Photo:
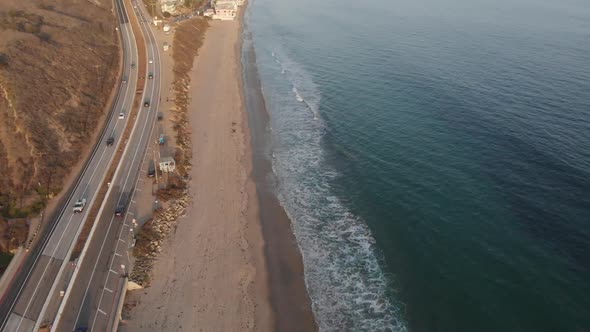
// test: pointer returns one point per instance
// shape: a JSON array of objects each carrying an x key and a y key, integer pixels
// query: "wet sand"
[{"x": 288, "y": 293}]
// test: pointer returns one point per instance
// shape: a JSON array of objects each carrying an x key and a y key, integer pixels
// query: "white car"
[
  {"x": 151, "y": 61},
  {"x": 79, "y": 206},
  {"x": 121, "y": 116}
]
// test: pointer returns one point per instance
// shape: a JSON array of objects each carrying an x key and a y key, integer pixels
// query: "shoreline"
[
  {"x": 261, "y": 281},
  {"x": 289, "y": 296}
]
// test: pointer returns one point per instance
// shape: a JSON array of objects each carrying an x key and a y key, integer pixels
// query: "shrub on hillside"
[
  {"x": 44, "y": 36},
  {"x": 3, "y": 60}
]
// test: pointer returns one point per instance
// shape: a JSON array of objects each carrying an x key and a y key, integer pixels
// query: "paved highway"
[
  {"x": 25, "y": 302},
  {"x": 95, "y": 292}
]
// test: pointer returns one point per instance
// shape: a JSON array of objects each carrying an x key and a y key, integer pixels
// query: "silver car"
[{"x": 79, "y": 206}]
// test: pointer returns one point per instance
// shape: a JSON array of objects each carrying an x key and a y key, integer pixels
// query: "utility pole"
[
  {"x": 156, "y": 168},
  {"x": 153, "y": 3}
]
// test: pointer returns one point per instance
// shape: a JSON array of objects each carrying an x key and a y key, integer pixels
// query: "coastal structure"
[
  {"x": 209, "y": 12},
  {"x": 167, "y": 165},
  {"x": 168, "y": 6},
  {"x": 225, "y": 2},
  {"x": 225, "y": 10}
]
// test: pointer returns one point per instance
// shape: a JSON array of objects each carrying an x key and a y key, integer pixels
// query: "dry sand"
[{"x": 211, "y": 275}]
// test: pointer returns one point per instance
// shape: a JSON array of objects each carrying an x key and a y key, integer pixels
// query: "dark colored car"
[
  {"x": 110, "y": 141},
  {"x": 146, "y": 104},
  {"x": 160, "y": 116},
  {"x": 150, "y": 76},
  {"x": 151, "y": 169},
  {"x": 120, "y": 210}
]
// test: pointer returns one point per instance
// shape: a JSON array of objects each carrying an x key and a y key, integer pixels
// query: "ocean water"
[{"x": 434, "y": 157}]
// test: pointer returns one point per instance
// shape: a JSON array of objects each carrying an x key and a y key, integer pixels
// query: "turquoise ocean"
[{"x": 434, "y": 158}]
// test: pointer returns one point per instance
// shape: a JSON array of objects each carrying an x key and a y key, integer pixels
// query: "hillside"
[{"x": 58, "y": 63}]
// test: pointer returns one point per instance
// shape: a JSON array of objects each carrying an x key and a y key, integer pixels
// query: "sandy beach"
[{"x": 211, "y": 275}]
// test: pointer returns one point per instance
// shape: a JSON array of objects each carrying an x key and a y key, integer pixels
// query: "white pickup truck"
[{"x": 79, "y": 206}]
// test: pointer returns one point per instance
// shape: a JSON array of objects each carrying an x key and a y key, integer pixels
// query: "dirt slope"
[{"x": 58, "y": 63}]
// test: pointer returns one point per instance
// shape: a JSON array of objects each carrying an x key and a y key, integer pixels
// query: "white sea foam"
[
  {"x": 298, "y": 79},
  {"x": 346, "y": 283},
  {"x": 297, "y": 95}
]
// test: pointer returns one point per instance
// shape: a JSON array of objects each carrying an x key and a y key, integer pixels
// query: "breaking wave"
[{"x": 346, "y": 283}]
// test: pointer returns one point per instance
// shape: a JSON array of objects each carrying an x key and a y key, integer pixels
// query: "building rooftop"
[{"x": 226, "y": 6}]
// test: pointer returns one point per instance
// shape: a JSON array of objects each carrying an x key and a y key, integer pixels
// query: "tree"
[{"x": 166, "y": 14}]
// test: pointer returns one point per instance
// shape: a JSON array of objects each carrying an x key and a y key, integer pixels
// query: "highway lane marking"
[
  {"x": 118, "y": 254},
  {"x": 113, "y": 271},
  {"x": 58, "y": 245},
  {"x": 150, "y": 34},
  {"x": 124, "y": 185},
  {"x": 127, "y": 178},
  {"x": 60, "y": 239},
  {"x": 108, "y": 290},
  {"x": 102, "y": 312},
  {"x": 96, "y": 263},
  {"x": 42, "y": 275},
  {"x": 111, "y": 223},
  {"x": 51, "y": 258},
  {"x": 134, "y": 202},
  {"x": 68, "y": 223},
  {"x": 127, "y": 88}
]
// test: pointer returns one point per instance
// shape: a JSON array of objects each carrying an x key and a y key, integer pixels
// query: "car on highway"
[
  {"x": 79, "y": 205},
  {"x": 133, "y": 65},
  {"x": 146, "y": 103},
  {"x": 150, "y": 76},
  {"x": 151, "y": 169},
  {"x": 120, "y": 209},
  {"x": 110, "y": 141},
  {"x": 124, "y": 80},
  {"x": 151, "y": 61},
  {"x": 121, "y": 116}
]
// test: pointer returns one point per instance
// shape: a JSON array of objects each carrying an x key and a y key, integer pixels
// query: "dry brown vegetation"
[
  {"x": 58, "y": 63},
  {"x": 188, "y": 38},
  {"x": 14, "y": 232},
  {"x": 57, "y": 67}
]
